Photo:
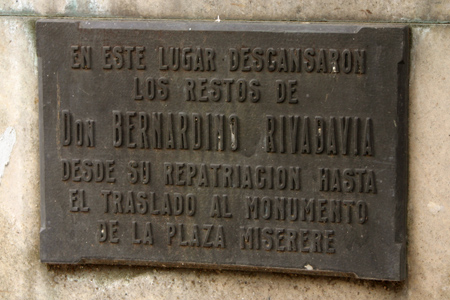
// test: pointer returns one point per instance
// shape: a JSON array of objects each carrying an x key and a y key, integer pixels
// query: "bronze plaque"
[{"x": 250, "y": 146}]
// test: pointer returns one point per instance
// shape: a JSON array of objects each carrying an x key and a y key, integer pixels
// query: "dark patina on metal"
[{"x": 250, "y": 146}]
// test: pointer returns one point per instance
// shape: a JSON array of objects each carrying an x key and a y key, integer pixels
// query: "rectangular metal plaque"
[{"x": 257, "y": 146}]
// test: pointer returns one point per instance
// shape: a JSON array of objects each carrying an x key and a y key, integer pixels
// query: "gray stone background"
[{"x": 22, "y": 276}]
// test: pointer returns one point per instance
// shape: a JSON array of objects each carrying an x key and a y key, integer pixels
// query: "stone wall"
[{"x": 22, "y": 276}]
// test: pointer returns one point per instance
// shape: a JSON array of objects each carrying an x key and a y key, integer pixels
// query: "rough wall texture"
[
  {"x": 295, "y": 10},
  {"x": 22, "y": 276}
]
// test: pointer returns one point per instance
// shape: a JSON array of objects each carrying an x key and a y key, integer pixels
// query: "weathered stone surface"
[
  {"x": 303, "y": 10},
  {"x": 429, "y": 184},
  {"x": 22, "y": 276},
  {"x": 19, "y": 186}
]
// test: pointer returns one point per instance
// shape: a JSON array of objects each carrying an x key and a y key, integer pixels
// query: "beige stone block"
[
  {"x": 22, "y": 276},
  {"x": 429, "y": 183},
  {"x": 295, "y": 10},
  {"x": 19, "y": 185}
]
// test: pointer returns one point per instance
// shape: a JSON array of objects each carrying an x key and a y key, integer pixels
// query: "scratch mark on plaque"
[
  {"x": 84, "y": 92},
  {"x": 7, "y": 141},
  {"x": 309, "y": 267}
]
